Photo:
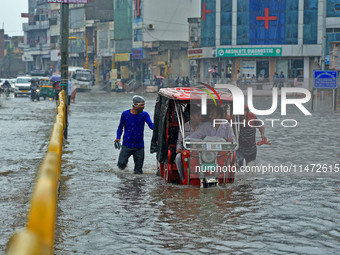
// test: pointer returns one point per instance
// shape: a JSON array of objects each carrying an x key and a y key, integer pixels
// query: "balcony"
[{"x": 39, "y": 25}]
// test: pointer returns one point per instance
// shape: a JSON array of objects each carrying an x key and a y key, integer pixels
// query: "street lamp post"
[{"x": 86, "y": 48}]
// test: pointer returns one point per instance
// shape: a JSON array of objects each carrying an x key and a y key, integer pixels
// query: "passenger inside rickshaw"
[
  {"x": 198, "y": 127},
  {"x": 210, "y": 129}
]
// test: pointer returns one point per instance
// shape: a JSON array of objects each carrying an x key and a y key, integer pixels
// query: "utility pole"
[
  {"x": 64, "y": 30},
  {"x": 324, "y": 13}
]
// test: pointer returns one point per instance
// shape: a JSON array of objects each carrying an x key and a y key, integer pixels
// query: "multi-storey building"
[
  {"x": 84, "y": 22},
  {"x": 153, "y": 34},
  {"x": 10, "y": 55},
  {"x": 261, "y": 37},
  {"x": 37, "y": 36},
  {"x": 42, "y": 33}
]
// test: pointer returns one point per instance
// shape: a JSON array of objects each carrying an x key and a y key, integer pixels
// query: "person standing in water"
[{"x": 132, "y": 124}]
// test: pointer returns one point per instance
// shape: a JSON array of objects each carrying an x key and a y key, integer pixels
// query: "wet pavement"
[{"x": 103, "y": 210}]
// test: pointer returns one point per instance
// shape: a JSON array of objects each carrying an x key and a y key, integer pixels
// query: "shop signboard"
[
  {"x": 137, "y": 53},
  {"x": 122, "y": 57},
  {"x": 195, "y": 53},
  {"x": 250, "y": 52}
]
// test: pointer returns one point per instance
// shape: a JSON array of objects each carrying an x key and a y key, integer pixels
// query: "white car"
[{"x": 22, "y": 86}]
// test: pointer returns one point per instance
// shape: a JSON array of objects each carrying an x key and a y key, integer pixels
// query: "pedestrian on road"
[
  {"x": 247, "y": 138},
  {"x": 132, "y": 122},
  {"x": 214, "y": 75},
  {"x": 281, "y": 80}
]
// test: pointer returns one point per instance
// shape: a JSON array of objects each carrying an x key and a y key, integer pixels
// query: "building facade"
[
  {"x": 263, "y": 37},
  {"x": 37, "y": 36},
  {"x": 160, "y": 38}
]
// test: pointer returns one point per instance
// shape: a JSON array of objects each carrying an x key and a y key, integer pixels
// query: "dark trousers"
[
  {"x": 138, "y": 158},
  {"x": 240, "y": 156}
]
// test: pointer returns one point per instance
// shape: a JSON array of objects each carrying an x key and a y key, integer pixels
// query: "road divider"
[{"x": 38, "y": 235}]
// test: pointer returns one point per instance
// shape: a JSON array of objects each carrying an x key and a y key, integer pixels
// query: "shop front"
[
  {"x": 261, "y": 63},
  {"x": 122, "y": 64}
]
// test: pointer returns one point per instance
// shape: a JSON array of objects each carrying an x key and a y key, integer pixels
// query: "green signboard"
[{"x": 249, "y": 52}]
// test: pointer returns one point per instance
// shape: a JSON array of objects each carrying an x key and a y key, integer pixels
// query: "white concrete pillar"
[
  {"x": 234, "y": 23},
  {"x": 306, "y": 73},
  {"x": 300, "y": 20}
]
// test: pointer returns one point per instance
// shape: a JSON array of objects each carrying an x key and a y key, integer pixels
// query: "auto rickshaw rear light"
[
  {"x": 186, "y": 159},
  {"x": 185, "y": 153}
]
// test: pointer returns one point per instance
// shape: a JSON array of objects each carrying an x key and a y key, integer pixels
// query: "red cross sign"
[
  {"x": 205, "y": 11},
  {"x": 266, "y": 18}
]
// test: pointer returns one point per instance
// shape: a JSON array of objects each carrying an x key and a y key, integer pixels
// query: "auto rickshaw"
[
  {"x": 46, "y": 88},
  {"x": 207, "y": 162}
]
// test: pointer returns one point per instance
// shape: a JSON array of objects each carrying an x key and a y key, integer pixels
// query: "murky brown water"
[{"x": 103, "y": 210}]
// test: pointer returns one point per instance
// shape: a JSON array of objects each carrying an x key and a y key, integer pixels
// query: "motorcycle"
[{"x": 35, "y": 94}]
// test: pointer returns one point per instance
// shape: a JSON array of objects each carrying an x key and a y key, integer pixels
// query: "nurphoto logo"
[{"x": 238, "y": 103}]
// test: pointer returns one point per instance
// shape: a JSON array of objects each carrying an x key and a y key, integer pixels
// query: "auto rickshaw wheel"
[
  {"x": 44, "y": 97},
  {"x": 15, "y": 95}
]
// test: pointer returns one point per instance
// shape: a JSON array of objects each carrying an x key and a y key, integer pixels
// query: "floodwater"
[{"x": 103, "y": 210}]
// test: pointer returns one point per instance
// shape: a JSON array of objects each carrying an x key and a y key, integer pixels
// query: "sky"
[{"x": 10, "y": 16}]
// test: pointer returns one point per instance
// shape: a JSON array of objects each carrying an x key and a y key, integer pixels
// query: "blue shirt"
[{"x": 133, "y": 125}]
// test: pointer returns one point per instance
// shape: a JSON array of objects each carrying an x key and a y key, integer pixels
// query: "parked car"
[{"x": 22, "y": 86}]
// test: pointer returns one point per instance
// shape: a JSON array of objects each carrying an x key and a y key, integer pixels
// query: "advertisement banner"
[
  {"x": 249, "y": 67},
  {"x": 124, "y": 72}
]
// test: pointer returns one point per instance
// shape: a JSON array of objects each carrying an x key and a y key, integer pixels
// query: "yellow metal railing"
[{"x": 38, "y": 235}]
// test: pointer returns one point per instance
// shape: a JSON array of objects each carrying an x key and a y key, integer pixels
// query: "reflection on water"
[{"x": 103, "y": 210}]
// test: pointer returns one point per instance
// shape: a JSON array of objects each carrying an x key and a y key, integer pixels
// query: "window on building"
[
  {"x": 77, "y": 18},
  {"x": 137, "y": 35},
  {"x": 112, "y": 41},
  {"x": 291, "y": 22},
  {"x": 226, "y": 22},
  {"x": 54, "y": 39},
  {"x": 310, "y": 22},
  {"x": 103, "y": 39},
  {"x": 331, "y": 37},
  {"x": 331, "y": 12},
  {"x": 243, "y": 22},
  {"x": 295, "y": 68}
]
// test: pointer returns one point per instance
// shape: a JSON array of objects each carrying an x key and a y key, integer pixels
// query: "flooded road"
[
  {"x": 25, "y": 128},
  {"x": 103, "y": 210}
]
